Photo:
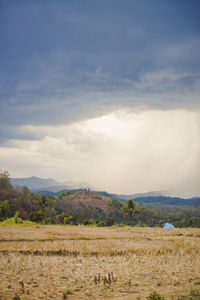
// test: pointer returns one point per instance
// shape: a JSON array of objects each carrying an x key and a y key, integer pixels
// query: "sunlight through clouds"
[{"x": 122, "y": 152}]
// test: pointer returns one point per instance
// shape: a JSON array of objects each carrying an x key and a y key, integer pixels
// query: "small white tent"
[{"x": 168, "y": 225}]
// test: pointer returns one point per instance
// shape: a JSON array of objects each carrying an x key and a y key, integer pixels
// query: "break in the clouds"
[{"x": 105, "y": 92}]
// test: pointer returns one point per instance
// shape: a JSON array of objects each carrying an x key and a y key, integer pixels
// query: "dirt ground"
[{"x": 63, "y": 262}]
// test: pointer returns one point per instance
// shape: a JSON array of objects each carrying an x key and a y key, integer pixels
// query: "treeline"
[
  {"x": 50, "y": 209},
  {"x": 192, "y": 202},
  {"x": 67, "y": 208}
]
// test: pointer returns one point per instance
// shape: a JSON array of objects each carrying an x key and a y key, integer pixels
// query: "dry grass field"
[{"x": 63, "y": 262}]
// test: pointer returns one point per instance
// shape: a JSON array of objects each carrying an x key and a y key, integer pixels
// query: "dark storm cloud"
[{"x": 67, "y": 61}]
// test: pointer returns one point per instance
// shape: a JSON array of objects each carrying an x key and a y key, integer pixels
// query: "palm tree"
[{"x": 130, "y": 210}]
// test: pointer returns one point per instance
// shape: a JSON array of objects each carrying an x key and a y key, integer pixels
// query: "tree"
[
  {"x": 4, "y": 181},
  {"x": 69, "y": 219},
  {"x": 4, "y": 210},
  {"x": 130, "y": 209},
  {"x": 61, "y": 217},
  {"x": 6, "y": 189},
  {"x": 37, "y": 216},
  {"x": 44, "y": 201}
]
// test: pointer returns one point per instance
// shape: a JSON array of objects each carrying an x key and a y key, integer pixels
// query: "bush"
[
  {"x": 109, "y": 222},
  {"x": 37, "y": 216},
  {"x": 101, "y": 224},
  {"x": 140, "y": 224},
  {"x": 122, "y": 225},
  {"x": 48, "y": 220}
]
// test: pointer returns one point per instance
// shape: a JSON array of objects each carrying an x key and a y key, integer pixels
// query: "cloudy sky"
[{"x": 102, "y": 92}]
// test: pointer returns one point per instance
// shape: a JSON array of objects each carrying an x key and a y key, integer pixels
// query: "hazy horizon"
[
  {"x": 102, "y": 92},
  {"x": 86, "y": 185}
]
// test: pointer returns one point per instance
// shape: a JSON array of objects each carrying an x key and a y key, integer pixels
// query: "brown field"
[{"x": 63, "y": 262}]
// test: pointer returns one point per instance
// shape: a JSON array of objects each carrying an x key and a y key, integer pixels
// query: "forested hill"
[
  {"x": 175, "y": 201},
  {"x": 162, "y": 200},
  {"x": 192, "y": 202},
  {"x": 53, "y": 187},
  {"x": 86, "y": 207}
]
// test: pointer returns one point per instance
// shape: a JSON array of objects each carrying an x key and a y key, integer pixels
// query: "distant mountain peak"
[{"x": 34, "y": 182}]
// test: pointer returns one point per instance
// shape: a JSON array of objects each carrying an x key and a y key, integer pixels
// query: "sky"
[{"x": 103, "y": 92}]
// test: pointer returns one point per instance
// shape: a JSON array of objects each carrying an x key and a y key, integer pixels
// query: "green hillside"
[{"x": 87, "y": 207}]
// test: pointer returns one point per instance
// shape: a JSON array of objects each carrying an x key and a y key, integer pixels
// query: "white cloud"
[{"x": 121, "y": 152}]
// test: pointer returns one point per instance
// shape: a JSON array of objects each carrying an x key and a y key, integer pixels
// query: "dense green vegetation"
[
  {"x": 70, "y": 207},
  {"x": 192, "y": 202}
]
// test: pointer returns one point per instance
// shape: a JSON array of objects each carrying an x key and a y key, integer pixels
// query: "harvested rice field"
[{"x": 72, "y": 262}]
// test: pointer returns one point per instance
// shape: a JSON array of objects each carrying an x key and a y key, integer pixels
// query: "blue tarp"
[{"x": 168, "y": 225}]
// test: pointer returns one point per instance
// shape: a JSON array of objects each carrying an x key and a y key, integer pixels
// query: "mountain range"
[
  {"x": 51, "y": 186},
  {"x": 37, "y": 184}
]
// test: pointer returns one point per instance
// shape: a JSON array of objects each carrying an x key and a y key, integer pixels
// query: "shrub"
[
  {"x": 37, "y": 216},
  {"x": 140, "y": 224},
  {"x": 101, "y": 224},
  {"x": 109, "y": 222},
  {"x": 48, "y": 220}
]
